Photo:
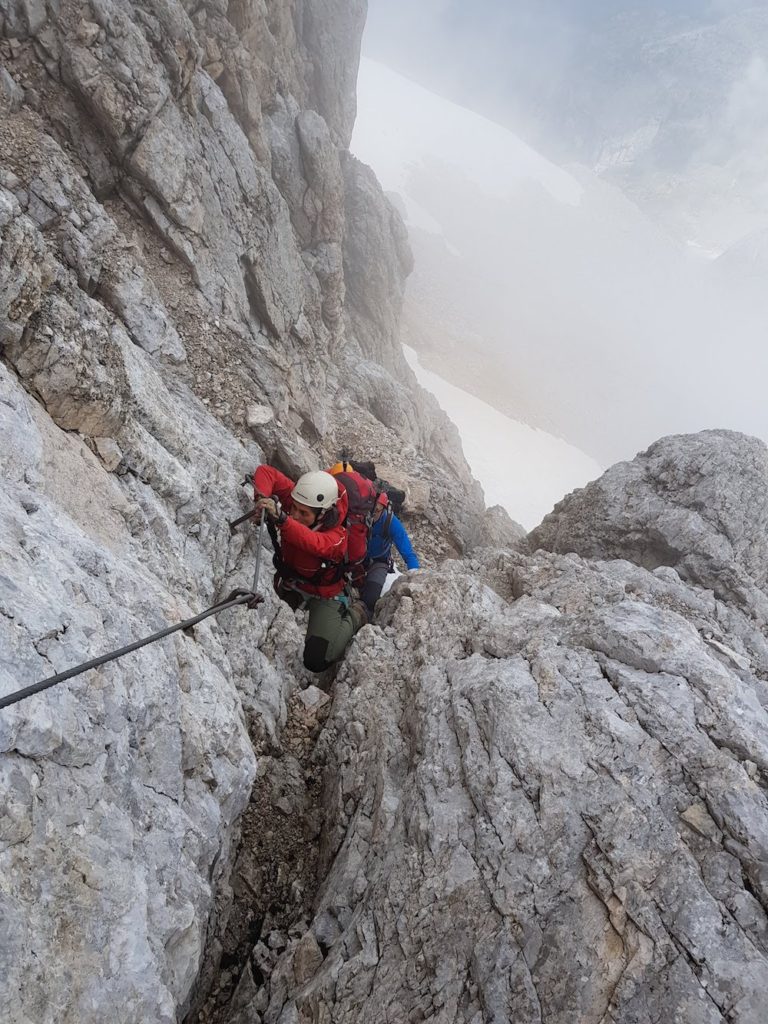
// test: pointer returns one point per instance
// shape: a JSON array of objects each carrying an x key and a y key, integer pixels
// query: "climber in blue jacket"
[{"x": 385, "y": 531}]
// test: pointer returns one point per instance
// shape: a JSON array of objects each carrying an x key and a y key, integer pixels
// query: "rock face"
[
  {"x": 697, "y": 503},
  {"x": 497, "y": 530},
  {"x": 172, "y": 311},
  {"x": 374, "y": 272},
  {"x": 538, "y": 789},
  {"x": 554, "y": 808}
]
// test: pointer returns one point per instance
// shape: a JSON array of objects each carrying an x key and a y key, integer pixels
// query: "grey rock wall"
[
  {"x": 543, "y": 774},
  {"x": 374, "y": 272},
  {"x": 697, "y": 503},
  {"x": 545, "y": 802},
  {"x": 172, "y": 222}
]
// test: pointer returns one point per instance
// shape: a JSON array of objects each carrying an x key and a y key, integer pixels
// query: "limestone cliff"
[
  {"x": 536, "y": 791},
  {"x": 173, "y": 228},
  {"x": 555, "y": 809}
]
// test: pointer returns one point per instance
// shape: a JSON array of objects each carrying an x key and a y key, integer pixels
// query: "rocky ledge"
[{"x": 545, "y": 783}]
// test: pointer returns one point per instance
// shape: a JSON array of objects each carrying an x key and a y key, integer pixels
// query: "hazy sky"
[
  {"x": 667, "y": 99},
  {"x": 549, "y": 294},
  {"x": 534, "y": 65},
  {"x": 442, "y": 29},
  {"x": 434, "y": 37}
]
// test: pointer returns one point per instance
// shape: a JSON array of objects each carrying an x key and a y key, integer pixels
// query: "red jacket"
[{"x": 303, "y": 550}]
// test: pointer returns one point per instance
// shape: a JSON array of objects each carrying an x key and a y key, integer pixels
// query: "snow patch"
[
  {"x": 433, "y": 130},
  {"x": 524, "y": 469}
]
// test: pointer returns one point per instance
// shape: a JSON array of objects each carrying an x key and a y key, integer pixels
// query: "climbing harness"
[
  {"x": 249, "y": 598},
  {"x": 327, "y": 573}
]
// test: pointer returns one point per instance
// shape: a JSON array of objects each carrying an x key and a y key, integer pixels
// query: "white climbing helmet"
[{"x": 317, "y": 490}]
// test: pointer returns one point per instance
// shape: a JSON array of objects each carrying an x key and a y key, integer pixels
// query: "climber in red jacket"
[{"x": 305, "y": 520}]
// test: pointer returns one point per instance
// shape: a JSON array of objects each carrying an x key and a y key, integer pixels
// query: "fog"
[
  {"x": 665, "y": 99},
  {"x": 579, "y": 293}
]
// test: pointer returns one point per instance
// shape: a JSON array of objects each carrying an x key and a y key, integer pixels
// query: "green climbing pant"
[{"x": 330, "y": 628}]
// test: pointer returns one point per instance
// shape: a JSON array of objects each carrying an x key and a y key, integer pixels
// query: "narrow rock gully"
[{"x": 275, "y": 875}]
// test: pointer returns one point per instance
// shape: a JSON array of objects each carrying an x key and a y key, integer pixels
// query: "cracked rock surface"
[
  {"x": 546, "y": 803},
  {"x": 172, "y": 235},
  {"x": 697, "y": 503},
  {"x": 536, "y": 790},
  {"x": 545, "y": 795}
]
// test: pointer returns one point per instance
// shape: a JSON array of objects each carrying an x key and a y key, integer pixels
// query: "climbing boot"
[{"x": 359, "y": 613}]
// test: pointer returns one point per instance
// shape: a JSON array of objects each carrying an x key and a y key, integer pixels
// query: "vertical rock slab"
[
  {"x": 161, "y": 272},
  {"x": 324, "y": 25},
  {"x": 377, "y": 260}
]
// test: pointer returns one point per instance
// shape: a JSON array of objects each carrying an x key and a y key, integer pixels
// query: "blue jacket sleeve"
[{"x": 403, "y": 543}]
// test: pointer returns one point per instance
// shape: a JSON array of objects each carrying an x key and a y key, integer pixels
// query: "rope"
[{"x": 237, "y": 597}]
